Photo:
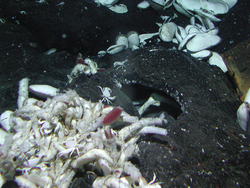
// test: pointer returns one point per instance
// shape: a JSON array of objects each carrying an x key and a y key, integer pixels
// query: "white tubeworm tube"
[
  {"x": 23, "y": 92},
  {"x": 153, "y": 130}
]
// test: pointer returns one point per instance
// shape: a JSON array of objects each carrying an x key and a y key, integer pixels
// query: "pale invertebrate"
[
  {"x": 106, "y": 94},
  {"x": 120, "y": 64},
  {"x": 66, "y": 133}
]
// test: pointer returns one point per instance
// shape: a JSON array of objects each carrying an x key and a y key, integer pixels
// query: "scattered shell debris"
[{"x": 44, "y": 143}]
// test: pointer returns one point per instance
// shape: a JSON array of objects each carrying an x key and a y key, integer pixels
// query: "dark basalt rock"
[{"x": 204, "y": 144}]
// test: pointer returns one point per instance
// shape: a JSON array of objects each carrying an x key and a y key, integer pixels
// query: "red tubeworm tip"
[
  {"x": 106, "y": 134},
  {"x": 112, "y": 116},
  {"x": 101, "y": 70}
]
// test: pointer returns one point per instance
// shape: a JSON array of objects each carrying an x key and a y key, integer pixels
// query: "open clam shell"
[
  {"x": 167, "y": 31},
  {"x": 114, "y": 49},
  {"x": 122, "y": 40},
  {"x": 202, "y": 41}
]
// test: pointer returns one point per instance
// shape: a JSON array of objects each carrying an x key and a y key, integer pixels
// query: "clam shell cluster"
[
  {"x": 46, "y": 142},
  {"x": 131, "y": 40},
  {"x": 201, "y": 34}
]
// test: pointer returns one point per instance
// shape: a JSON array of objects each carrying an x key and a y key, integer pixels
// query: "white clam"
[
  {"x": 182, "y": 10},
  {"x": 122, "y": 40},
  {"x": 202, "y": 41},
  {"x": 143, "y": 5},
  {"x": 167, "y": 31},
  {"x": 217, "y": 60},
  {"x": 108, "y": 2},
  {"x": 247, "y": 97},
  {"x": 190, "y": 4},
  {"x": 114, "y": 49},
  {"x": 120, "y": 9},
  {"x": 201, "y": 54},
  {"x": 185, "y": 40},
  {"x": 43, "y": 91},
  {"x": 215, "y": 7},
  {"x": 243, "y": 116},
  {"x": 208, "y": 15},
  {"x": 213, "y": 31},
  {"x": 3, "y": 134},
  {"x": 101, "y": 53},
  {"x": 180, "y": 33},
  {"x": 5, "y": 120},
  {"x": 133, "y": 40},
  {"x": 230, "y": 3},
  {"x": 192, "y": 29}
]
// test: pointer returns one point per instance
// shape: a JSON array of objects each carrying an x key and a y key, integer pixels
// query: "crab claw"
[{"x": 90, "y": 156}]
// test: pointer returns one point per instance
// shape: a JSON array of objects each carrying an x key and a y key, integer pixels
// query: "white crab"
[
  {"x": 106, "y": 94},
  {"x": 120, "y": 64}
]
